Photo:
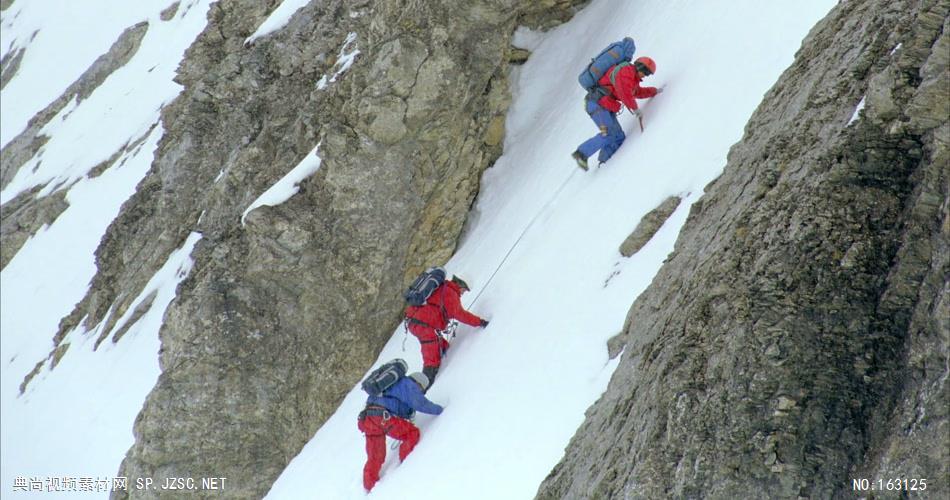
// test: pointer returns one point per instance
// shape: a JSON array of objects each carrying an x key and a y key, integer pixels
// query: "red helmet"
[{"x": 645, "y": 65}]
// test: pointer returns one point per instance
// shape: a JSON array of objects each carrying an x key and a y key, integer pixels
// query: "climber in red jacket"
[
  {"x": 619, "y": 85},
  {"x": 426, "y": 321}
]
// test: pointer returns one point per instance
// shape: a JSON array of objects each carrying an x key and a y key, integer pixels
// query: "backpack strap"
[
  {"x": 445, "y": 315},
  {"x": 598, "y": 90},
  {"x": 613, "y": 73}
]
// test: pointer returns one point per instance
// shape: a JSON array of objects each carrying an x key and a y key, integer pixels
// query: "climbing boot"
[{"x": 580, "y": 159}]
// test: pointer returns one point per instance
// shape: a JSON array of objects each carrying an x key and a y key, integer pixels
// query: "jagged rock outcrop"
[
  {"x": 648, "y": 226},
  {"x": 287, "y": 307},
  {"x": 798, "y": 337},
  {"x": 9, "y": 65},
  {"x": 25, "y": 214},
  {"x": 25, "y": 145},
  {"x": 23, "y": 217}
]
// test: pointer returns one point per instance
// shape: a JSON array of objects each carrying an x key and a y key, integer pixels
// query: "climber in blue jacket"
[
  {"x": 389, "y": 414},
  {"x": 406, "y": 397}
]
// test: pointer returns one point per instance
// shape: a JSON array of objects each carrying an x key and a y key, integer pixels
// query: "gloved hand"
[
  {"x": 483, "y": 323},
  {"x": 637, "y": 113},
  {"x": 659, "y": 90}
]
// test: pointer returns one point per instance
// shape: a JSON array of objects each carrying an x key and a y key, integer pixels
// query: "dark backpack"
[
  {"x": 421, "y": 289},
  {"x": 614, "y": 54},
  {"x": 384, "y": 377}
]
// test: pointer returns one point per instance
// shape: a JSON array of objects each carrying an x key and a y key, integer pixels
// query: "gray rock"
[
  {"x": 518, "y": 56},
  {"x": 25, "y": 145},
  {"x": 169, "y": 12},
  {"x": 798, "y": 336},
  {"x": 9, "y": 66},
  {"x": 616, "y": 345},
  {"x": 23, "y": 216},
  {"x": 648, "y": 226}
]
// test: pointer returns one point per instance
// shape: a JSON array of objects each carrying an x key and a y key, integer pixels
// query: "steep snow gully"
[
  {"x": 541, "y": 251},
  {"x": 542, "y": 254}
]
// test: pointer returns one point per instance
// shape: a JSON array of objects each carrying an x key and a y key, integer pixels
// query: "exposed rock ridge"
[
  {"x": 9, "y": 65},
  {"x": 22, "y": 148},
  {"x": 798, "y": 337},
  {"x": 648, "y": 226},
  {"x": 26, "y": 213},
  {"x": 23, "y": 216}
]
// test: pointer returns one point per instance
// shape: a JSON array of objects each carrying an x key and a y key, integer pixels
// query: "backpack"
[
  {"x": 421, "y": 289},
  {"x": 615, "y": 53},
  {"x": 384, "y": 377}
]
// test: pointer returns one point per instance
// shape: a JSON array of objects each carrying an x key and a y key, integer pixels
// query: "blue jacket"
[{"x": 404, "y": 398}]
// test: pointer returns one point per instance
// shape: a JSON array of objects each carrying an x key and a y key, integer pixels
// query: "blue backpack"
[
  {"x": 420, "y": 289},
  {"x": 614, "y": 54}
]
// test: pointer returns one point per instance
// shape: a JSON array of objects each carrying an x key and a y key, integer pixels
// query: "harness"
[
  {"x": 375, "y": 411},
  {"x": 414, "y": 321},
  {"x": 410, "y": 320}
]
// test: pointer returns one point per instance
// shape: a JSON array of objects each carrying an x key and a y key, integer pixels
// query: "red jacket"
[
  {"x": 627, "y": 91},
  {"x": 443, "y": 305}
]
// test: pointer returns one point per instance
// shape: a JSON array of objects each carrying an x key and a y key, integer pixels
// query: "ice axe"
[{"x": 658, "y": 91}]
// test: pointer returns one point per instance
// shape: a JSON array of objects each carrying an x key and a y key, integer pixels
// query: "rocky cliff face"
[
  {"x": 285, "y": 310},
  {"x": 798, "y": 336}
]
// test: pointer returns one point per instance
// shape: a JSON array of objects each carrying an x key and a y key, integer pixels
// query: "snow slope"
[
  {"x": 75, "y": 422},
  {"x": 542, "y": 252}
]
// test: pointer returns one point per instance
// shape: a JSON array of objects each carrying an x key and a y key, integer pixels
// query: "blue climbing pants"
[{"x": 610, "y": 137}]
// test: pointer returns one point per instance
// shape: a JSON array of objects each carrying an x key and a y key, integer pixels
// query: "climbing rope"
[{"x": 523, "y": 232}]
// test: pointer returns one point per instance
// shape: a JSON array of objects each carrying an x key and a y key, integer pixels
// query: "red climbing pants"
[
  {"x": 376, "y": 428},
  {"x": 432, "y": 351}
]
